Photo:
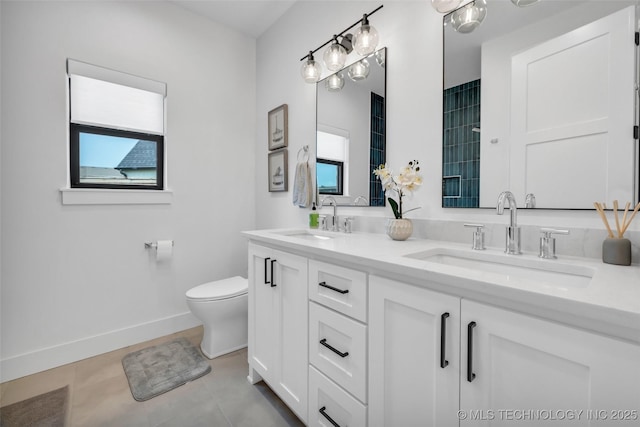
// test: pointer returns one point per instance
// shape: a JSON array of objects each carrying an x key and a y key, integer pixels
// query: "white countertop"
[{"x": 609, "y": 304}]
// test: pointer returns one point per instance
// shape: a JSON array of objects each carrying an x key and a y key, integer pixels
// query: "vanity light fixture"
[
  {"x": 335, "y": 82},
  {"x": 445, "y": 6},
  {"x": 359, "y": 70},
  {"x": 469, "y": 17},
  {"x": 311, "y": 70},
  {"x": 381, "y": 58},
  {"x": 336, "y": 54},
  {"x": 364, "y": 41},
  {"x": 524, "y": 3}
]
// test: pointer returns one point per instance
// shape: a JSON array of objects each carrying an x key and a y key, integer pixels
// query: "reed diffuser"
[{"x": 616, "y": 249}]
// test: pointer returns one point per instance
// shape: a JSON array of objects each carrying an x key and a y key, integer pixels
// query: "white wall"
[
  {"x": 77, "y": 280},
  {"x": 412, "y": 30}
]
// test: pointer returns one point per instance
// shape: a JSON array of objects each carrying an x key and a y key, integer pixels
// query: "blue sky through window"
[
  {"x": 103, "y": 150},
  {"x": 327, "y": 175}
]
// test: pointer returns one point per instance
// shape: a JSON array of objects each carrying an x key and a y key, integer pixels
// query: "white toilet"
[{"x": 222, "y": 306}]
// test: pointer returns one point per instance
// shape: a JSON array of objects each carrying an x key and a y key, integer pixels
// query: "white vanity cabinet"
[
  {"x": 278, "y": 312},
  {"x": 349, "y": 346},
  {"x": 337, "y": 346},
  {"x": 414, "y": 348},
  {"x": 502, "y": 366},
  {"x": 514, "y": 362}
]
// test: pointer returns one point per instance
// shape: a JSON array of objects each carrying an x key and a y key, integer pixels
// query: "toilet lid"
[{"x": 219, "y": 289}]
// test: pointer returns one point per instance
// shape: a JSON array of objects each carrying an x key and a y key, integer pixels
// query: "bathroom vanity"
[{"x": 357, "y": 329}]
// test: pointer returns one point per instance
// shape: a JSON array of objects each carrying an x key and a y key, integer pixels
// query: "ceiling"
[{"x": 250, "y": 17}]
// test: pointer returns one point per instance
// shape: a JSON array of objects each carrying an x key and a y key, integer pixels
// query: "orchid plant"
[{"x": 403, "y": 184}]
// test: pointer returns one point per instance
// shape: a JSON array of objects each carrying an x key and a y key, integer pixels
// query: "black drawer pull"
[
  {"x": 266, "y": 282},
  {"x": 443, "y": 340},
  {"x": 470, "y": 375},
  {"x": 324, "y": 414},
  {"x": 324, "y": 285},
  {"x": 323, "y": 341},
  {"x": 273, "y": 281}
]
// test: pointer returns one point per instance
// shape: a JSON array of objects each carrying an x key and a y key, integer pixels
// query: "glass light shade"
[
  {"x": 365, "y": 40},
  {"x": 445, "y": 6},
  {"x": 381, "y": 57},
  {"x": 311, "y": 71},
  {"x": 335, "y": 56},
  {"x": 524, "y": 3},
  {"x": 469, "y": 17},
  {"x": 359, "y": 70},
  {"x": 334, "y": 82}
]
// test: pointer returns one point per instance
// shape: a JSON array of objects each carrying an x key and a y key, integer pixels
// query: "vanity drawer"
[
  {"x": 338, "y": 348},
  {"x": 327, "y": 400},
  {"x": 339, "y": 288}
]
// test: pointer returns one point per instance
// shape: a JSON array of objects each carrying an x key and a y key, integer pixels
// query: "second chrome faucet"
[{"x": 512, "y": 237}]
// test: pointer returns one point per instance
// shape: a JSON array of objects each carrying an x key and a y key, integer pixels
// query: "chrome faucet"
[
  {"x": 512, "y": 241},
  {"x": 361, "y": 199},
  {"x": 334, "y": 223}
]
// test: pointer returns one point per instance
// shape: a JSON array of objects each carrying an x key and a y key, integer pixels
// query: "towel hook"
[{"x": 305, "y": 153}]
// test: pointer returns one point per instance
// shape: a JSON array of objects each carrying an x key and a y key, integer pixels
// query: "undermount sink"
[
  {"x": 306, "y": 234},
  {"x": 517, "y": 268}
]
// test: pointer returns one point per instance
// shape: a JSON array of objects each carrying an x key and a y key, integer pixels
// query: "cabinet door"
[
  {"x": 543, "y": 369},
  {"x": 408, "y": 384},
  {"x": 278, "y": 323},
  {"x": 290, "y": 280},
  {"x": 263, "y": 303}
]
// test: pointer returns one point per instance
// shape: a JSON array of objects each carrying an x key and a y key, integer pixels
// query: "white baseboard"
[{"x": 51, "y": 357}]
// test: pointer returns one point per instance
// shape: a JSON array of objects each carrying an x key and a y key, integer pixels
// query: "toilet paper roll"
[{"x": 164, "y": 250}]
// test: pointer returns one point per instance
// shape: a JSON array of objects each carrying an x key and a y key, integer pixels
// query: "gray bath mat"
[
  {"x": 45, "y": 410},
  {"x": 158, "y": 369}
]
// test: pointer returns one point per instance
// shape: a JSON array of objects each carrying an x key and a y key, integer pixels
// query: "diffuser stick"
[
  {"x": 603, "y": 217},
  {"x": 615, "y": 215},
  {"x": 624, "y": 217},
  {"x": 633, "y": 215}
]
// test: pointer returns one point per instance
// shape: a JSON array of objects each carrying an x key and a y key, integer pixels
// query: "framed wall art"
[
  {"x": 278, "y": 127},
  {"x": 278, "y": 170}
]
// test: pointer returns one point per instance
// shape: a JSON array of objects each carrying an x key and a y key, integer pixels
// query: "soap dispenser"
[{"x": 313, "y": 217}]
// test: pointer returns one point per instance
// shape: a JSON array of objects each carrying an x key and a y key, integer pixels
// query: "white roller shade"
[
  {"x": 332, "y": 147},
  {"x": 115, "y": 100}
]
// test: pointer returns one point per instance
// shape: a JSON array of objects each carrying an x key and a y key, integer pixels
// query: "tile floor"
[{"x": 100, "y": 395}]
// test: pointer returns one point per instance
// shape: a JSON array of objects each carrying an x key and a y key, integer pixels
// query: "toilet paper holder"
[{"x": 154, "y": 245}]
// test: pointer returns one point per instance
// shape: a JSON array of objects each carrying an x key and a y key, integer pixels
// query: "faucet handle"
[
  {"x": 548, "y": 243},
  {"x": 348, "y": 224},
  {"x": 322, "y": 219},
  {"x": 478, "y": 237}
]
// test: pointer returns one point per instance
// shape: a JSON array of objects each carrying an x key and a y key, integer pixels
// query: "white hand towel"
[{"x": 302, "y": 191}]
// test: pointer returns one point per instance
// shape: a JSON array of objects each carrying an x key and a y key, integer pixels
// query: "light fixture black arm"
[{"x": 341, "y": 33}]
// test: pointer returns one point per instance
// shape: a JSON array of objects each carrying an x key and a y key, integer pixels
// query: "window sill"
[{"x": 93, "y": 196}]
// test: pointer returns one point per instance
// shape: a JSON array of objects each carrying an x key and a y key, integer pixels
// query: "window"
[
  {"x": 116, "y": 129},
  {"x": 107, "y": 158},
  {"x": 329, "y": 175}
]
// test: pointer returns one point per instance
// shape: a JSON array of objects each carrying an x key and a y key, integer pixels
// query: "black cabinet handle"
[
  {"x": 443, "y": 340},
  {"x": 273, "y": 281},
  {"x": 266, "y": 282},
  {"x": 324, "y": 285},
  {"x": 324, "y": 414},
  {"x": 338, "y": 352},
  {"x": 470, "y": 375}
]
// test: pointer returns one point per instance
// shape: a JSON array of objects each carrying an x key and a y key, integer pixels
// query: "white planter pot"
[{"x": 399, "y": 229}]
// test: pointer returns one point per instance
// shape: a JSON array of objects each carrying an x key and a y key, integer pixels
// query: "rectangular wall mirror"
[
  {"x": 350, "y": 130},
  {"x": 541, "y": 101}
]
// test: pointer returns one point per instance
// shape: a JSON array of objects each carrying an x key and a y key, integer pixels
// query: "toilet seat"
[{"x": 219, "y": 289}]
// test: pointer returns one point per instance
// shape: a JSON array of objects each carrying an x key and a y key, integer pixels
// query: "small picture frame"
[
  {"x": 278, "y": 170},
  {"x": 278, "y": 127}
]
